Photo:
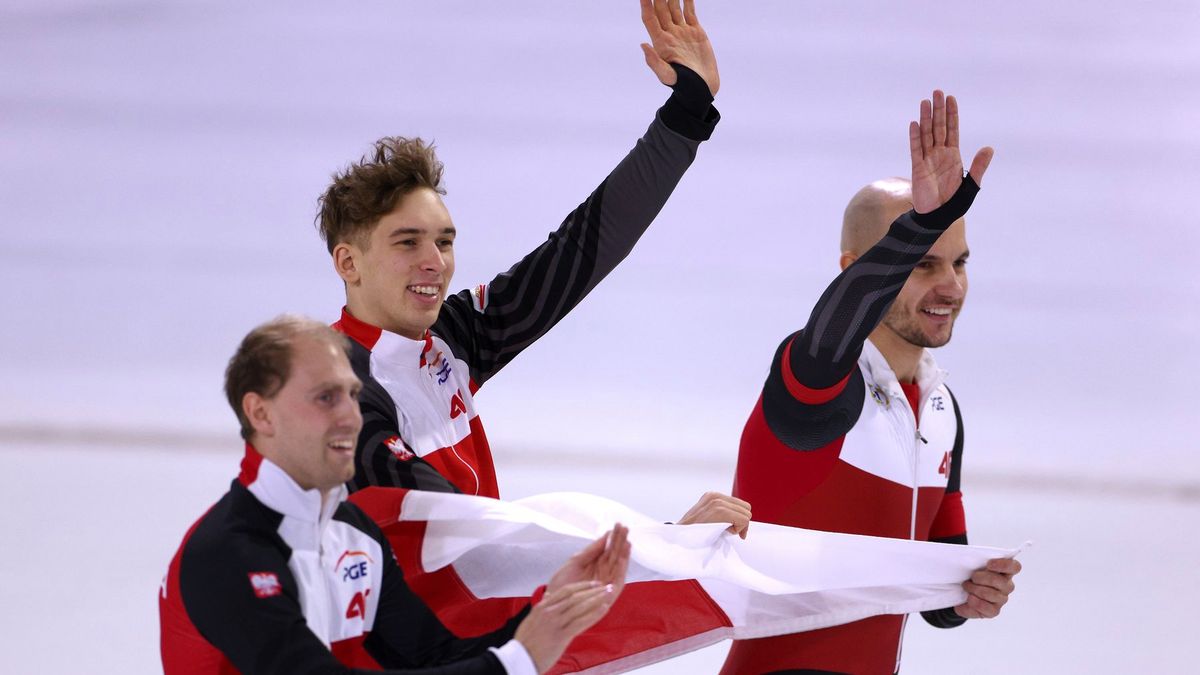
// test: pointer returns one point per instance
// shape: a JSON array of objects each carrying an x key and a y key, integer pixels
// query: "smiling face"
[
  {"x": 310, "y": 426},
  {"x": 398, "y": 274},
  {"x": 923, "y": 314}
]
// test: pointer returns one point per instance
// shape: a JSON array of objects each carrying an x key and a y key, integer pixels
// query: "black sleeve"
[
  {"x": 812, "y": 395},
  {"x": 382, "y": 458},
  {"x": 407, "y": 634},
  {"x": 489, "y": 325}
]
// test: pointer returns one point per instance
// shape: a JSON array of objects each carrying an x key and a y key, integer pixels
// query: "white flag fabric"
[{"x": 778, "y": 580}]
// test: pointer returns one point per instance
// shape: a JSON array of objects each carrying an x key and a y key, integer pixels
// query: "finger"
[
  {"x": 729, "y": 499},
  {"x": 979, "y": 165},
  {"x": 676, "y": 12},
  {"x": 914, "y": 144},
  {"x": 951, "y": 122},
  {"x": 988, "y": 593},
  {"x": 926, "y": 126},
  {"x": 613, "y": 549},
  {"x": 982, "y": 608},
  {"x": 663, "y": 11},
  {"x": 1004, "y": 565},
  {"x": 591, "y": 552},
  {"x": 993, "y": 579},
  {"x": 589, "y": 614},
  {"x": 582, "y": 603},
  {"x": 689, "y": 13},
  {"x": 662, "y": 69},
  {"x": 561, "y": 596},
  {"x": 939, "y": 117},
  {"x": 650, "y": 20}
]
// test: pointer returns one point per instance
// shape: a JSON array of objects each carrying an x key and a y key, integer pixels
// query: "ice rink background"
[{"x": 159, "y": 171}]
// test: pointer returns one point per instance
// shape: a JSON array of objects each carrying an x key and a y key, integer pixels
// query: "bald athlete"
[{"x": 855, "y": 431}]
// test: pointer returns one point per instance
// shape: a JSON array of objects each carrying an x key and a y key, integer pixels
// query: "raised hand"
[
  {"x": 604, "y": 561},
  {"x": 936, "y": 160},
  {"x": 988, "y": 589},
  {"x": 715, "y": 507},
  {"x": 676, "y": 37}
]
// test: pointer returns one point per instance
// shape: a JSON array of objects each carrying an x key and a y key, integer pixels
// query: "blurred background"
[{"x": 159, "y": 169}]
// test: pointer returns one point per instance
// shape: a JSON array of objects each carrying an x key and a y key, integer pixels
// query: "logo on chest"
[
  {"x": 880, "y": 396},
  {"x": 457, "y": 405},
  {"x": 353, "y": 565}
]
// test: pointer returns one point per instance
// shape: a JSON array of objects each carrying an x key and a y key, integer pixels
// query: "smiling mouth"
[
  {"x": 425, "y": 290},
  {"x": 939, "y": 312},
  {"x": 342, "y": 446}
]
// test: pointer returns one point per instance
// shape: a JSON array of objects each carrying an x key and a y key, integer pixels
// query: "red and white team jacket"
[
  {"x": 837, "y": 443},
  {"x": 271, "y": 581},
  {"x": 420, "y": 426}
]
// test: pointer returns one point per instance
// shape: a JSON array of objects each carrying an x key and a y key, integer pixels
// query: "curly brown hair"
[{"x": 373, "y": 186}]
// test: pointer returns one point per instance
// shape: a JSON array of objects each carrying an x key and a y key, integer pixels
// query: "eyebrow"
[
  {"x": 419, "y": 230},
  {"x": 929, "y": 256}
]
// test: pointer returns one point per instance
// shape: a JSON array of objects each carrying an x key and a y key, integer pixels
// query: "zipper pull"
[{"x": 921, "y": 438}]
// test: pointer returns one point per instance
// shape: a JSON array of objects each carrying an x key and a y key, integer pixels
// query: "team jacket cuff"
[
  {"x": 954, "y": 208},
  {"x": 515, "y": 659},
  {"x": 690, "y": 112}
]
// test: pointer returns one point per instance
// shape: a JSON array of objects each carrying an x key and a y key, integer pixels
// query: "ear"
[
  {"x": 258, "y": 410},
  {"x": 846, "y": 260},
  {"x": 345, "y": 262}
]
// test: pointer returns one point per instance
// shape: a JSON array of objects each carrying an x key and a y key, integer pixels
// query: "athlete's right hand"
[
  {"x": 559, "y": 617},
  {"x": 677, "y": 37},
  {"x": 936, "y": 159}
]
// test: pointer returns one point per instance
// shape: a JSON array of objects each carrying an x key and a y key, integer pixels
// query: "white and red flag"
[{"x": 477, "y": 560}]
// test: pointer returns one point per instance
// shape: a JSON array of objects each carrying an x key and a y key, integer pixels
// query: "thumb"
[
  {"x": 662, "y": 69},
  {"x": 980, "y": 164}
]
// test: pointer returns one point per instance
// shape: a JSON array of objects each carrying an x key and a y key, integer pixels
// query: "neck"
[
  {"x": 902, "y": 356},
  {"x": 363, "y": 312}
]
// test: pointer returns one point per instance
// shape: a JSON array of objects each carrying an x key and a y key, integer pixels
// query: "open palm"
[{"x": 936, "y": 160}]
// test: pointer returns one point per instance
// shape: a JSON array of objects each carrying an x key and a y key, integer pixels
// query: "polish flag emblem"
[
  {"x": 265, "y": 584},
  {"x": 396, "y": 445}
]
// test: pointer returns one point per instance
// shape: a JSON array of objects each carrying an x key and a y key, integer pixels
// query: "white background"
[{"x": 158, "y": 178}]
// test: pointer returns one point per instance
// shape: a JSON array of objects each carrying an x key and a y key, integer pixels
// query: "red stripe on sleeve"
[{"x": 805, "y": 394}]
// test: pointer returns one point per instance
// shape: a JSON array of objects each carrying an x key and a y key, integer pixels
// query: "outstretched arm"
[
  {"x": 813, "y": 367},
  {"x": 492, "y": 323}
]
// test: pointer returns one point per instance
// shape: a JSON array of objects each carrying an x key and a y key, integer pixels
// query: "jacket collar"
[
  {"x": 929, "y": 375},
  {"x": 277, "y": 491},
  {"x": 386, "y": 345}
]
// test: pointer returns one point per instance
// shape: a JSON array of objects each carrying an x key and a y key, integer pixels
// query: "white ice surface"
[{"x": 160, "y": 162}]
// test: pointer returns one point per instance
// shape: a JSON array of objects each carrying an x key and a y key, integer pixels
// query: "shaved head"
[{"x": 871, "y": 211}]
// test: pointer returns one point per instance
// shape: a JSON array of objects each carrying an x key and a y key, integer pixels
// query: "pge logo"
[
  {"x": 353, "y": 566},
  {"x": 265, "y": 584}
]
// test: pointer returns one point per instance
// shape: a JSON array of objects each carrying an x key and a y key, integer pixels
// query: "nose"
[
  {"x": 349, "y": 414},
  {"x": 951, "y": 283},
  {"x": 432, "y": 259}
]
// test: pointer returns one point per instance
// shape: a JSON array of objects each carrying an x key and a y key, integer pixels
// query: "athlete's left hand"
[
  {"x": 715, "y": 507},
  {"x": 604, "y": 560},
  {"x": 988, "y": 589},
  {"x": 676, "y": 36}
]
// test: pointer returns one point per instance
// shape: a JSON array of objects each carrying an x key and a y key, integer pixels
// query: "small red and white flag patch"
[
  {"x": 396, "y": 445},
  {"x": 265, "y": 584},
  {"x": 479, "y": 295}
]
